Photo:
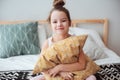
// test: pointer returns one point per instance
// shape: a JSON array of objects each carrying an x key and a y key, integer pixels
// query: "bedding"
[
  {"x": 80, "y": 31},
  {"x": 110, "y": 68},
  {"x": 20, "y": 67},
  {"x": 46, "y": 31},
  {"x": 93, "y": 50},
  {"x": 107, "y": 72}
]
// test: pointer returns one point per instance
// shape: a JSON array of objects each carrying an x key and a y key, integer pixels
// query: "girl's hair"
[{"x": 58, "y": 6}]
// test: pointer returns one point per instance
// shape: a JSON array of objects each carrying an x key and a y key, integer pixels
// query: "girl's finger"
[
  {"x": 67, "y": 78},
  {"x": 70, "y": 77},
  {"x": 71, "y": 74},
  {"x": 54, "y": 75}
]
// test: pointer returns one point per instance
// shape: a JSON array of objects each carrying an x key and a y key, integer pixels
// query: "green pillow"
[{"x": 19, "y": 39}]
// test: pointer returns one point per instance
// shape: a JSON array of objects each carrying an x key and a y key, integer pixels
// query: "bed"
[{"x": 20, "y": 67}]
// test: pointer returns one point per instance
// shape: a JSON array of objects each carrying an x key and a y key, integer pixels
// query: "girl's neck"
[{"x": 56, "y": 38}]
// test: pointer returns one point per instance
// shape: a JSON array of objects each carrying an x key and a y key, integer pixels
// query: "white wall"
[{"x": 79, "y": 9}]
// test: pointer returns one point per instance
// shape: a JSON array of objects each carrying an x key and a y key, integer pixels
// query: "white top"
[{"x": 50, "y": 41}]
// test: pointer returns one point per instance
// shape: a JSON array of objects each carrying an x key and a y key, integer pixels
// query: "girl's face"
[{"x": 59, "y": 23}]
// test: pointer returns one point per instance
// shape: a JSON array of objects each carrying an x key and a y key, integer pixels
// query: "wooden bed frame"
[{"x": 74, "y": 23}]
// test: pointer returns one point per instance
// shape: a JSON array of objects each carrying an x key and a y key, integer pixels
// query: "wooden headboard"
[
  {"x": 101, "y": 21},
  {"x": 74, "y": 23}
]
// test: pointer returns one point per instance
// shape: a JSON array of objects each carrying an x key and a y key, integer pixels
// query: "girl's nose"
[{"x": 59, "y": 24}]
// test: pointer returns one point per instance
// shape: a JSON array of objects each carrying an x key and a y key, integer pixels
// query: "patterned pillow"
[
  {"x": 18, "y": 39},
  {"x": 63, "y": 52}
]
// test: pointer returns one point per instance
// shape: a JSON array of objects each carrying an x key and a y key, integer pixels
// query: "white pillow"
[
  {"x": 79, "y": 31},
  {"x": 94, "y": 51},
  {"x": 93, "y": 46},
  {"x": 44, "y": 32}
]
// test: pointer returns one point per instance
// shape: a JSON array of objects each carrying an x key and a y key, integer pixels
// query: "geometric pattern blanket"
[{"x": 107, "y": 72}]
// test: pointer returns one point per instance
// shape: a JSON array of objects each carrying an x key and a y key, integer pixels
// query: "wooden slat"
[
  {"x": 14, "y": 22},
  {"x": 105, "y": 31},
  {"x": 42, "y": 22}
]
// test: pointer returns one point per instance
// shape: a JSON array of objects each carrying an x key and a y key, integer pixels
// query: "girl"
[{"x": 60, "y": 21}]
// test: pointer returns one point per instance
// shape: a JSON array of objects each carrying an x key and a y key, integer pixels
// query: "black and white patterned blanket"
[{"x": 107, "y": 72}]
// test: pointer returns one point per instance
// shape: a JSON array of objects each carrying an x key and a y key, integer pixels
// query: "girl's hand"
[
  {"x": 54, "y": 71},
  {"x": 67, "y": 75}
]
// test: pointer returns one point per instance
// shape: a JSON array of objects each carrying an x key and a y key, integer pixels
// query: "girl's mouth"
[{"x": 61, "y": 28}]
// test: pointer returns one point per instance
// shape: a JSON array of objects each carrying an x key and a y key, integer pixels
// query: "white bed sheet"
[
  {"x": 112, "y": 58},
  {"x": 27, "y": 62}
]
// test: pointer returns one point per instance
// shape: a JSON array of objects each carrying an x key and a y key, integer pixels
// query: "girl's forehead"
[{"x": 58, "y": 14}]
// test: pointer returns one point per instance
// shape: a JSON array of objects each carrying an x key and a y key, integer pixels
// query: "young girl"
[{"x": 60, "y": 21}]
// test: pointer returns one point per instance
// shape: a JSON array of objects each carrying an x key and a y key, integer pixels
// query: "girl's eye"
[
  {"x": 54, "y": 21},
  {"x": 63, "y": 20}
]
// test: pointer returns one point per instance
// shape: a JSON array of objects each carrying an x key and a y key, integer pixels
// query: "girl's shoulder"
[{"x": 45, "y": 45}]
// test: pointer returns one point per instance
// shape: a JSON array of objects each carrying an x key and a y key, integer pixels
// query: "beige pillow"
[
  {"x": 91, "y": 68},
  {"x": 62, "y": 52}
]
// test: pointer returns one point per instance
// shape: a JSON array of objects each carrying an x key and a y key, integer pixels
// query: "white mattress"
[{"x": 27, "y": 62}]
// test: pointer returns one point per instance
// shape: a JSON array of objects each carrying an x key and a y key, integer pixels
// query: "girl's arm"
[{"x": 80, "y": 65}]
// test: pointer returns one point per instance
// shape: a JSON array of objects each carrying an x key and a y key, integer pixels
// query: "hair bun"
[{"x": 58, "y": 3}]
